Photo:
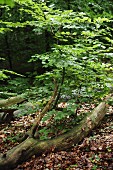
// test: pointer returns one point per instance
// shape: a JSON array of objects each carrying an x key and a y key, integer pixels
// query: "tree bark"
[
  {"x": 11, "y": 101},
  {"x": 34, "y": 130},
  {"x": 30, "y": 146}
]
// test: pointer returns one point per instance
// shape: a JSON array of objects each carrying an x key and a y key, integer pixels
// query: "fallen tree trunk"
[
  {"x": 11, "y": 101},
  {"x": 30, "y": 146}
]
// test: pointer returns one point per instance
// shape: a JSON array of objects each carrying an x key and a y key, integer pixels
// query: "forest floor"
[{"x": 95, "y": 152}]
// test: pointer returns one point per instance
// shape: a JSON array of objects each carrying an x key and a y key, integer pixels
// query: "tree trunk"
[
  {"x": 12, "y": 100},
  {"x": 8, "y": 52},
  {"x": 30, "y": 146},
  {"x": 44, "y": 111}
]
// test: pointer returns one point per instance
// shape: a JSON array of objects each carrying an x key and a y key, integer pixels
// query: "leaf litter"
[{"x": 95, "y": 152}]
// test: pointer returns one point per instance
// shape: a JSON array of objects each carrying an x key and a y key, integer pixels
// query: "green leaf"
[
  {"x": 3, "y": 76},
  {"x": 7, "y": 2}
]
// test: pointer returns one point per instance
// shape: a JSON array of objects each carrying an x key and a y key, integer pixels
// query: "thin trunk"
[
  {"x": 44, "y": 111},
  {"x": 8, "y": 52},
  {"x": 59, "y": 93}
]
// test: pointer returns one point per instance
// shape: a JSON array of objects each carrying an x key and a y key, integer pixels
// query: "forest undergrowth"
[{"x": 95, "y": 152}]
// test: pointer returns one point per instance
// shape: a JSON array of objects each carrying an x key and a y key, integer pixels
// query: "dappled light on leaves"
[{"x": 56, "y": 78}]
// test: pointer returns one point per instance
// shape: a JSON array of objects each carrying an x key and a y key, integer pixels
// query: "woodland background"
[{"x": 57, "y": 48}]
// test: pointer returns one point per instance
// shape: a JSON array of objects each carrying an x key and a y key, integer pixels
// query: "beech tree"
[{"x": 71, "y": 57}]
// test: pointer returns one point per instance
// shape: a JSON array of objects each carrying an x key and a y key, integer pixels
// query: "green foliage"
[
  {"x": 80, "y": 47},
  {"x": 59, "y": 122},
  {"x": 11, "y": 3},
  {"x": 80, "y": 50},
  {"x": 110, "y": 102},
  {"x": 17, "y": 85},
  {"x": 71, "y": 36},
  {"x": 26, "y": 108},
  {"x": 91, "y": 7},
  {"x": 2, "y": 75},
  {"x": 8, "y": 2},
  {"x": 44, "y": 133}
]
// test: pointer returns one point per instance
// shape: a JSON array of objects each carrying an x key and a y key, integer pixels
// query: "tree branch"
[{"x": 44, "y": 111}]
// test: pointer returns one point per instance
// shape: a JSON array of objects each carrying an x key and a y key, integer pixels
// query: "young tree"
[{"x": 76, "y": 44}]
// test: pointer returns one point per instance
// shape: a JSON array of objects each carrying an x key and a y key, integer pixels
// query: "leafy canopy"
[{"x": 12, "y": 2}]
